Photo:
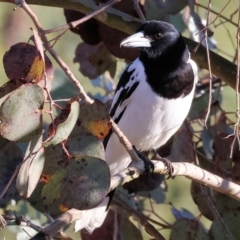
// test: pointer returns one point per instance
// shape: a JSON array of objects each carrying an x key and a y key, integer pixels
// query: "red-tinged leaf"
[
  {"x": 93, "y": 119},
  {"x": 31, "y": 169},
  {"x": 83, "y": 184},
  {"x": 94, "y": 60},
  {"x": 64, "y": 123},
  {"x": 19, "y": 59},
  {"x": 21, "y": 113}
]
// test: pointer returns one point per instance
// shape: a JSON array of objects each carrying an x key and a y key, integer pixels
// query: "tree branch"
[
  {"x": 188, "y": 170},
  {"x": 47, "y": 45},
  {"x": 149, "y": 228},
  {"x": 221, "y": 67}
]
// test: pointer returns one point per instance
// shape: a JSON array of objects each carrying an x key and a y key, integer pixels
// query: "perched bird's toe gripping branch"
[
  {"x": 148, "y": 165},
  {"x": 167, "y": 163}
]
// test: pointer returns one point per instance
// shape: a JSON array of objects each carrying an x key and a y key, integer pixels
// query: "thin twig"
[
  {"x": 215, "y": 212},
  {"x": 82, "y": 20},
  {"x": 167, "y": 225},
  {"x": 209, "y": 68},
  {"x": 21, "y": 221},
  {"x": 138, "y": 10},
  {"x": 216, "y": 13},
  {"x": 236, "y": 126},
  {"x": 150, "y": 229},
  {"x": 61, "y": 63},
  {"x": 124, "y": 141}
]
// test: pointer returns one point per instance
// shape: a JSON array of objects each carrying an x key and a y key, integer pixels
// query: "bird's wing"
[{"x": 127, "y": 84}]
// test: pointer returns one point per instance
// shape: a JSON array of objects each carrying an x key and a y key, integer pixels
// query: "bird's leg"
[
  {"x": 166, "y": 162},
  {"x": 149, "y": 166}
]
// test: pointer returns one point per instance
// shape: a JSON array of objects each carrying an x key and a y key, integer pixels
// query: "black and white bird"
[
  {"x": 154, "y": 94},
  {"x": 152, "y": 99}
]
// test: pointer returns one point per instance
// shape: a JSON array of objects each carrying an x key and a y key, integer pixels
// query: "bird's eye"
[{"x": 158, "y": 35}]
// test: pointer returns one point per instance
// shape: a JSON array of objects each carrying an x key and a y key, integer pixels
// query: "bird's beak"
[{"x": 136, "y": 40}]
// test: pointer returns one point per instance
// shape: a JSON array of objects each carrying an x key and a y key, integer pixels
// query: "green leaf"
[
  {"x": 188, "y": 229},
  {"x": 37, "y": 202},
  {"x": 53, "y": 189},
  {"x": 65, "y": 123},
  {"x": 31, "y": 169},
  {"x": 230, "y": 220},
  {"x": 83, "y": 184},
  {"x": 201, "y": 201},
  {"x": 21, "y": 113},
  {"x": 8, "y": 87},
  {"x": 93, "y": 119},
  {"x": 54, "y": 159},
  {"x": 86, "y": 144}
]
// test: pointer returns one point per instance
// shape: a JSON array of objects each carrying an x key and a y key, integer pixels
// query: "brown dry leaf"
[
  {"x": 222, "y": 149},
  {"x": 183, "y": 145},
  {"x": 94, "y": 60},
  {"x": 86, "y": 30},
  {"x": 24, "y": 61}
]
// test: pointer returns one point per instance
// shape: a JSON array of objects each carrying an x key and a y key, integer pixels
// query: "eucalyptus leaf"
[{"x": 21, "y": 113}]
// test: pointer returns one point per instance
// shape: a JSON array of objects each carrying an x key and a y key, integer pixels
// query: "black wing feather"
[{"x": 125, "y": 93}]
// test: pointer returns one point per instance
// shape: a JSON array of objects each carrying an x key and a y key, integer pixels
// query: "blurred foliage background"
[{"x": 15, "y": 27}]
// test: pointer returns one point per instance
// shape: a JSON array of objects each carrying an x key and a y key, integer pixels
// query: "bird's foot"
[
  {"x": 169, "y": 166},
  {"x": 148, "y": 165},
  {"x": 166, "y": 162}
]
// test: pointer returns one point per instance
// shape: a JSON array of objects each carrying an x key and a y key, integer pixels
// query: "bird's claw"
[
  {"x": 148, "y": 165},
  {"x": 168, "y": 165}
]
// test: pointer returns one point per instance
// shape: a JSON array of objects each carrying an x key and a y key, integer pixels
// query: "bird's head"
[{"x": 153, "y": 38}]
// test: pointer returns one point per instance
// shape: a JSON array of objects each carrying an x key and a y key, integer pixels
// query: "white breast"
[{"x": 148, "y": 121}]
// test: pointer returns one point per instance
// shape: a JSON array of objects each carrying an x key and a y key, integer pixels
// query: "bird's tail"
[{"x": 93, "y": 218}]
